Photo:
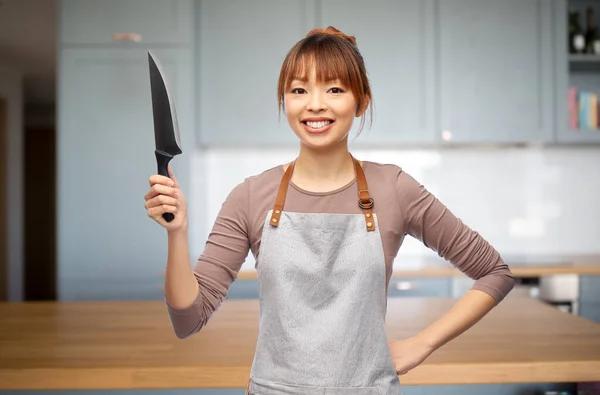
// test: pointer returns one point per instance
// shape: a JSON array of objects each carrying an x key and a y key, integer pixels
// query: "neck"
[{"x": 323, "y": 169}]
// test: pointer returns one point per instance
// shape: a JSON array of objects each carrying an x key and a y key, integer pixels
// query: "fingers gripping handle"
[{"x": 162, "y": 161}]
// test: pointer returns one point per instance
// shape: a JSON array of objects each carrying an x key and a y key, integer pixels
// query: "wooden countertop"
[
  {"x": 111, "y": 345},
  {"x": 518, "y": 270},
  {"x": 521, "y": 266},
  {"x": 449, "y": 271}
]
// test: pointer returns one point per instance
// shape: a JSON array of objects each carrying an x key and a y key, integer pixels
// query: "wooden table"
[
  {"x": 529, "y": 266},
  {"x": 438, "y": 270},
  {"x": 112, "y": 345}
]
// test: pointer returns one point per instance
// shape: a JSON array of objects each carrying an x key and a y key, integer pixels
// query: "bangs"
[
  {"x": 332, "y": 58},
  {"x": 326, "y": 58}
]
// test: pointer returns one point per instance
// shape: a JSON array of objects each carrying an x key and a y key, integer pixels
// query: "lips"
[{"x": 317, "y": 125}]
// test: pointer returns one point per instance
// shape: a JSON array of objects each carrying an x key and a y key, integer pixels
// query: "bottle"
[
  {"x": 576, "y": 36},
  {"x": 591, "y": 35}
]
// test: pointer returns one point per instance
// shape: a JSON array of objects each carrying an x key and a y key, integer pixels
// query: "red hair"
[{"x": 334, "y": 55}]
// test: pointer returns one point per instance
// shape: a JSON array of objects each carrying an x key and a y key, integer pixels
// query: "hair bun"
[{"x": 332, "y": 31}]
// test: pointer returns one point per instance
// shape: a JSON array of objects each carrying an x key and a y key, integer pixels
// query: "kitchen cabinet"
[
  {"x": 396, "y": 40},
  {"x": 589, "y": 297},
  {"x": 590, "y": 310},
  {"x": 495, "y": 63},
  {"x": 589, "y": 288},
  {"x": 107, "y": 245},
  {"x": 244, "y": 289},
  {"x": 456, "y": 71},
  {"x": 442, "y": 72},
  {"x": 580, "y": 72},
  {"x": 241, "y": 47},
  {"x": 154, "y": 22}
]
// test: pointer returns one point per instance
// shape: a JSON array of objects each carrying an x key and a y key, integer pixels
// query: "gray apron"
[{"x": 322, "y": 303}]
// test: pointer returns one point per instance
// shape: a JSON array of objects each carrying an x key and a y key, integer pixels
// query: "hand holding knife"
[{"x": 166, "y": 127}]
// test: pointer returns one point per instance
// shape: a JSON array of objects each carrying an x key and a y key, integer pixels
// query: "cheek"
[
  {"x": 290, "y": 107},
  {"x": 348, "y": 109}
]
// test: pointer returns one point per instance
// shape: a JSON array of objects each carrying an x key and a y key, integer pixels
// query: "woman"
[{"x": 325, "y": 246}]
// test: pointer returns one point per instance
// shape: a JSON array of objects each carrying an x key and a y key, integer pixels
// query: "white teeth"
[{"x": 318, "y": 125}]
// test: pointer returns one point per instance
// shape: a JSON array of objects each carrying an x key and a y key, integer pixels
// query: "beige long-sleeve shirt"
[{"x": 402, "y": 205}]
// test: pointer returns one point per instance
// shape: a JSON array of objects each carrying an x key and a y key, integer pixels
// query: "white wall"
[
  {"x": 11, "y": 90},
  {"x": 527, "y": 202}
]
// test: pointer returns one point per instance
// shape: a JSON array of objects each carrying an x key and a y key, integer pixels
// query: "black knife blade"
[{"x": 166, "y": 127}]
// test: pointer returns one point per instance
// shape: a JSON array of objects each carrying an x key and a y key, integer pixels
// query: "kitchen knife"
[{"x": 166, "y": 128}]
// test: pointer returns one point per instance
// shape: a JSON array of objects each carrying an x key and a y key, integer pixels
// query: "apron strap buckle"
[{"x": 366, "y": 205}]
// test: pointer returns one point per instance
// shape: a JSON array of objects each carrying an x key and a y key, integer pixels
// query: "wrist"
[
  {"x": 180, "y": 231},
  {"x": 426, "y": 340}
]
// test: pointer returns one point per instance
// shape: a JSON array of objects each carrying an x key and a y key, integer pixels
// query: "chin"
[{"x": 321, "y": 142}]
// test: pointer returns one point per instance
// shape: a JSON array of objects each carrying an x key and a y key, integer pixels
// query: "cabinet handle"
[
  {"x": 135, "y": 37},
  {"x": 405, "y": 285}
]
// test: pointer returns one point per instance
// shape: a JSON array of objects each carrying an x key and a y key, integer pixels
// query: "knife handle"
[{"x": 162, "y": 161}]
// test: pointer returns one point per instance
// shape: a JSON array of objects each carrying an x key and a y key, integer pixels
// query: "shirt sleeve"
[
  {"x": 429, "y": 221},
  {"x": 217, "y": 267}
]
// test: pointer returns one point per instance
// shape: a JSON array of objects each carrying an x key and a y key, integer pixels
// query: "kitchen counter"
[
  {"x": 129, "y": 345},
  {"x": 521, "y": 266}
]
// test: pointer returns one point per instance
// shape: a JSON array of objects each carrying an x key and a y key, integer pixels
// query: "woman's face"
[{"x": 321, "y": 114}]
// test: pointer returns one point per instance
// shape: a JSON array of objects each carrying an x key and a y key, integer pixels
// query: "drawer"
[
  {"x": 439, "y": 287},
  {"x": 130, "y": 21}
]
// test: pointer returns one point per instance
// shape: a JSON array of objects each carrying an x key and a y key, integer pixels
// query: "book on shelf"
[{"x": 583, "y": 110}]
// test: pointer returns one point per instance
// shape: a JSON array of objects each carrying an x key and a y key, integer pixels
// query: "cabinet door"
[
  {"x": 108, "y": 248},
  {"x": 589, "y": 288},
  {"x": 589, "y": 297},
  {"x": 580, "y": 72},
  {"x": 244, "y": 289},
  {"x": 155, "y": 21},
  {"x": 396, "y": 41},
  {"x": 495, "y": 71},
  {"x": 242, "y": 45},
  {"x": 590, "y": 311}
]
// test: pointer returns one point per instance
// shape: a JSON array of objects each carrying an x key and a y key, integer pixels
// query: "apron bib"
[{"x": 322, "y": 303}]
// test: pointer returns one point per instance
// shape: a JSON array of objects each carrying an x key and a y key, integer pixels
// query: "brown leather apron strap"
[
  {"x": 365, "y": 202},
  {"x": 283, "y": 187}
]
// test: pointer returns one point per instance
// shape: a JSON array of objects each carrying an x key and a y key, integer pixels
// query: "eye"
[
  {"x": 298, "y": 91},
  {"x": 336, "y": 90}
]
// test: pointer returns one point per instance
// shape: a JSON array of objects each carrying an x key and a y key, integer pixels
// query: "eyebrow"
[{"x": 304, "y": 79}]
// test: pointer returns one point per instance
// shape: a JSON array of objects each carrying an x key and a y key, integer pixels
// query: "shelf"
[
  {"x": 584, "y": 63},
  {"x": 584, "y": 58},
  {"x": 580, "y": 136}
]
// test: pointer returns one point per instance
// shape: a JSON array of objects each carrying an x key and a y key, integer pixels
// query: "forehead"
[{"x": 312, "y": 68}]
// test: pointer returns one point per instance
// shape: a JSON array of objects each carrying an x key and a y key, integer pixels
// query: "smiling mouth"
[{"x": 317, "y": 126}]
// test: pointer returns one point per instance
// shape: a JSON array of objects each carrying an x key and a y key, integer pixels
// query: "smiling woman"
[
  {"x": 331, "y": 59},
  {"x": 325, "y": 246}
]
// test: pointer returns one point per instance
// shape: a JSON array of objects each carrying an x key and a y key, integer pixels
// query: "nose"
[{"x": 315, "y": 102}]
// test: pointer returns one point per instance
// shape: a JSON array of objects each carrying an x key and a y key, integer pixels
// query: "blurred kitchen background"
[{"x": 490, "y": 104}]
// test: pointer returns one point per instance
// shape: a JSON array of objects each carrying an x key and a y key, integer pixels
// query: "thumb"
[{"x": 172, "y": 176}]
